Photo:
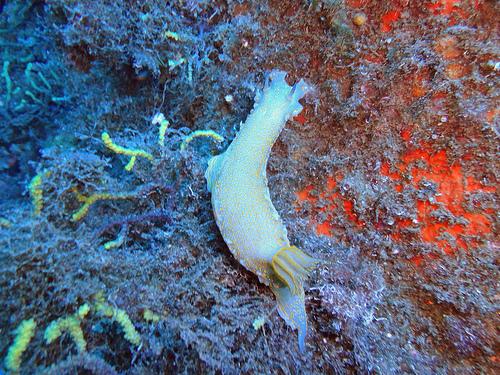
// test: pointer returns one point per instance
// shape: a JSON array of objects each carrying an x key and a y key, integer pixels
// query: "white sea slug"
[{"x": 247, "y": 219}]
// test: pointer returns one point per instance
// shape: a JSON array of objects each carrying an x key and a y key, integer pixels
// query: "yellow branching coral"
[
  {"x": 150, "y": 316},
  {"x": 159, "y": 118},
  {"x": 201, "y": 133},
  {"x": 90, "y": 200},
  {"x": 36, "y": 193},
  {"x": 118, "y": 241},
  {"x": 119, "y": 316},
  {"x": 101, "y": 307},
  {"x": 24, "y": 333},
  {"x": 133, "y": 153},
  {"x": 83, "y": 311},
  {"x": 71, "y": 325}
]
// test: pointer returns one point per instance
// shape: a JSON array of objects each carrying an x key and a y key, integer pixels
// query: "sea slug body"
[{"x": 245, "y": 215}]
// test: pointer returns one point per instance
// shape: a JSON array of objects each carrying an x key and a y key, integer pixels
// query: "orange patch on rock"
[
  {"x": 331, "y": 183},
  {"x": 452, "y": 187},
  {"x": 447, "y": 8},
  {"x": 456, "y": 71},
  {"x": 417, "y": 260},
  {"x": 474, "y": 185},
  {"x": 420, "y": 85},
  {"x": 300, "y": 118},
  {"x": 492, "y": 114},
  {"x": 444, "y": 7},
  {"x": 442, "y": 220},
  {"x": 305, "y": 194},
  {"x": 447, "y": 47},
  {"x": 388, "y": 19},
  {"x": 240, "y": 9},
  {"x": 351, "y": 215},
  {"x": 357, "y": 3},
  {"x": 406, "y": 135},
  {"x": 418, "y": 90},
  {"x": 331, "y": 196},
  {"x": 375, "y": 58},
  {"x": 324, "y": 228},
  {"x": 400, "y": 224},
  {"x": 385, "y": 169}
]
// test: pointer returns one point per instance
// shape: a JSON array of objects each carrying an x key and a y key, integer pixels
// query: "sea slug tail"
[
  {"x": 292, "y": 266},
  {"x": 291, "y": 308}
]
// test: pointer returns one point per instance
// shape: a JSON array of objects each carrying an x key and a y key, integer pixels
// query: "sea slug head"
[{"x": 279, "y": 92}]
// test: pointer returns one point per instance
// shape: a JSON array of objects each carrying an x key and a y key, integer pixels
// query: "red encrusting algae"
[
  {"x": 335, "y": 199},
  {"x": 459, "y": 228},
  {"x": 441, "y": 220},
  {"x": 388, "y": 19}
]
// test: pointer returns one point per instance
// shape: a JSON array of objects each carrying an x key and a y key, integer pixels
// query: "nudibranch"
[{"x": 249, "y": 223}]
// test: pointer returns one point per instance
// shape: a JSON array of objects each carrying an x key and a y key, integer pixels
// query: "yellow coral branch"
[
  {"x": 36, "y": 192},
  {"x": 150, "y": 316},
  {"x": 201, "y": 133},
  {"x": 118, "y": 241},
  {"x": 24, "y": 333},
  {"x": 159, "y": 118},
  {"x": 71, "y": 325},
  {"x": 89, "y": 201},
  {"x": 119, "y": 316},
  {"x": 130, "y": 163},
  {"x": 133, "y": 153}
]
